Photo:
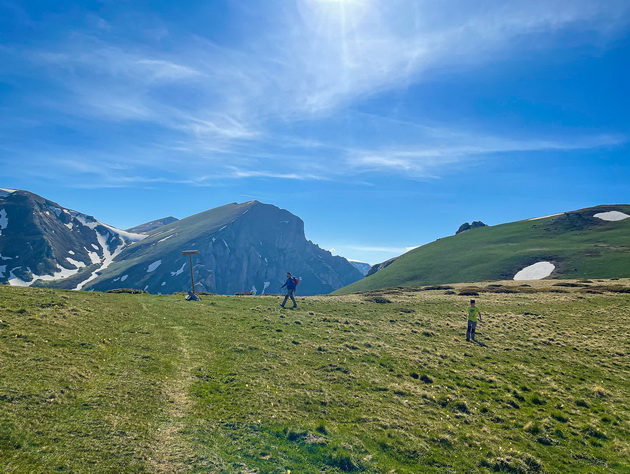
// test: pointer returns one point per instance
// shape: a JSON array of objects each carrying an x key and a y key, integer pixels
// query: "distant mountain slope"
[
  {"x": 147, "y": 227},
  {"x": 243, "y": 247},
  {"x": 363, "y": 267},
  {"x": 573, "y": 245},
  {"x": 43, "y": 241}
]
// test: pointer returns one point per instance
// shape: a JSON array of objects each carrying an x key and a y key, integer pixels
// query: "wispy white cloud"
[
  {"x": 425, "y": 159},
  {"x": 236, "y": 110}
]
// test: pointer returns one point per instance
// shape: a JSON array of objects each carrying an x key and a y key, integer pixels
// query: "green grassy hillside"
[
  {"x": 374, "y": 382},
  {"x": 579, "y": 245}
]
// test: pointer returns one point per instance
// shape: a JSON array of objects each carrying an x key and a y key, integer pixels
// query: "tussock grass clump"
[
  {"x": 533, "y": 427},
  {"x": 514, "y": 462},
  {"x": 599, "y": 392}
]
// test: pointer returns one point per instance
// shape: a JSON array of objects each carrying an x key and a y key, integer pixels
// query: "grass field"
[
  {"x": 578, "y": 245},
  {"x": 373, "y": 382}
]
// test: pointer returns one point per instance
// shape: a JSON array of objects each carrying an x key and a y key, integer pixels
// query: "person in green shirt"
[{"x": 473, "y": 314}]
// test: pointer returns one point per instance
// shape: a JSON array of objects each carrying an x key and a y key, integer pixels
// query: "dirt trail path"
[{"x": 170, "y": 449}]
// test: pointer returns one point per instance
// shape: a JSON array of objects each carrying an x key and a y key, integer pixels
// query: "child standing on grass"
[{"x": 473, "y": 314}]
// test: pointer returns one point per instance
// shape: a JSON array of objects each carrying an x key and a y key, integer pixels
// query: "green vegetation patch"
[{"x": 101, "y": 382}]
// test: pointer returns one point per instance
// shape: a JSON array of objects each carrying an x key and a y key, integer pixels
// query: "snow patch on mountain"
[
  {"x": 537, "y": 271},
  {"x": 611, "y": 216},
  {"x": 5, "y": 191},
  {"x": 544, "y": 217},
  {"x": 180, "y": 271},
  {"x": 59, "y": 274},
  {"x": 4, "y": 220},
  {"x": 15, "y": 281},
  {"x": 94, "y": 257},
  {"x": 76, "y": 263},
  {"x": 154, "y": 265},
  {"x": 130, "y": 236},
  {"x": 82, "y": 219},
  {"x": 108, "y": 258},
  {"x": 166, "y": 238}
]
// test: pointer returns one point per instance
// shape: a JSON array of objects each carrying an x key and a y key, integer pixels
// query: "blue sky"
[{"x": 384, "y": 125}]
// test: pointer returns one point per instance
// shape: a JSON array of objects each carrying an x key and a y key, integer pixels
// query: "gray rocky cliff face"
[{"x": 249, "y": 247}]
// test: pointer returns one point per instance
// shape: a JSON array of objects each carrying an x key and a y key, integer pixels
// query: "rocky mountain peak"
[{"x": 466, "y": 226}]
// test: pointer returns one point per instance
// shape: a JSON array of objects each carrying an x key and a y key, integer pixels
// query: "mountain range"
[
  {"x": 42, "y": 241},
  {"x": 244, "y": 247},
  {"x": 248, "y": 248}
]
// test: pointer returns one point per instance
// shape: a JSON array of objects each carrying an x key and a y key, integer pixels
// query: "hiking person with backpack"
[{"x": 291, "y": 284}]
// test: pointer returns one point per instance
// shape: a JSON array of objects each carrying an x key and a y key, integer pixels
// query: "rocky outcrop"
[
  {"x": 379, "y": 266},
  {"x": 467, "y": 226}
]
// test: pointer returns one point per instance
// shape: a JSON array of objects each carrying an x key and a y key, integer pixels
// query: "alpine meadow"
[{"x": 369, "y": 382}]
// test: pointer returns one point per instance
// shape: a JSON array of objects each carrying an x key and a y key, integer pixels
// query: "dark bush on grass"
[
  {"x": 437, "y": 287},
  {"x": 321, "y": 428},
  {"x": 517, "y": 463},
  {"x": 592, "y": 431},
  {"x": 379, "y": 299},
  {"x": 558, "y": 416},
  {"x": 296, "y": 435},
  {"x": 426, "y": 379},
  {"x": 345, "y": 461},
  {"x": 468, "y": 293},
  {"x": 131, "y": 291},
  {"x": 537, "y": 400},
  {"x": 461, "y": 406}
]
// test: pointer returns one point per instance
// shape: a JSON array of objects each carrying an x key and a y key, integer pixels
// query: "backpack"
[{"x": 296, "y": 280}]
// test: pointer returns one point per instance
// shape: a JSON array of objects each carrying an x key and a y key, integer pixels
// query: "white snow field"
[
  {"x": 5, "y": 192},
  {"x": 154, "y": 265},
  {"x": 544, "y": 217},
  {"x": 180, "y": 271},
  {"x": 537, "y": 271},
  {"x": 611, "y": 216}
]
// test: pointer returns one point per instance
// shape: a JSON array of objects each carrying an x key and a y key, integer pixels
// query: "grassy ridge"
[
  {"x": 579, "y": 245},
  {"x": 141, "y": 383}
]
